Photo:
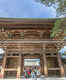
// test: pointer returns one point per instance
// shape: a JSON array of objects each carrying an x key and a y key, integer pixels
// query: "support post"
[
  {"x": 19, "y": 67},
  {"x": 59, "y": 46},
  {"x": 4, "y": 63},
  {"x": 41, "y": 34},
  {"x": 45, "y": 65},
  {"x": 45, "y": 62},
  {"x": 61, "y": 66}
]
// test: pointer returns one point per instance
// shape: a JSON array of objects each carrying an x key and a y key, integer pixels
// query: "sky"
[{"x": 25, "y": 9}]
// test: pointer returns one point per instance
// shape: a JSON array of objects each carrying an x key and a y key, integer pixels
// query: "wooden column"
[
  {"x": 45, "y": 62},
  {"x": 22, "y": 63},
  {"x": 60, "y": 65},
  {"x": 59, "y": 45},
  {"x": 45, "y": 65},
  {"x": 19, "y": 67},
  {"x": 41, "y": 34},
  {"x": 4, "y": 63},
  {"x": 41, "y": 64},
  {"x": 19, "y": 62}
]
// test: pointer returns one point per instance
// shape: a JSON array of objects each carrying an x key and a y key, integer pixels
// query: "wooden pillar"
[
  {"x": 22, "y": 63},
  {"x": 45, "y": 65},
  {"x": 59, "y": 46},
  {"x": 19, "y": 67},
  {"x": 60, "y": 65},
  {"x": 4, "y": 63},
  {"x": 41, "y": 34},
  {"x": 45, "y": 62},
  {"x": 41, "y": 63}
]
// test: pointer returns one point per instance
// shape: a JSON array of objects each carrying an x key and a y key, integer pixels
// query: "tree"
[
  {"x": 59, "y": 5},
  {"x": 59, "y": 29}
]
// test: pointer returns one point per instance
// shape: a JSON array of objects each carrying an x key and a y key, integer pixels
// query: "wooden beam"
[
  {"x": 10, "y": 69},
  {"x": 30, "y": 41},
  {"x": 54, "y": 69},
  {"x": 12, "y": 56}
]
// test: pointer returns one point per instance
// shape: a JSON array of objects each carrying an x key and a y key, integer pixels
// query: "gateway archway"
[{"x": 31, "y": 64}]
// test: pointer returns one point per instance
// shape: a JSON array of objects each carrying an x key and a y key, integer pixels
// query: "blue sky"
[{"x": 25, "y": 9}]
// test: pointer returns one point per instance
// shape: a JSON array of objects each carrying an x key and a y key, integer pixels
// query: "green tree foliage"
[
  {"x": 59, "y": 5},
  {"x": 59, "y": 26},
  {"x": 56, "y": 28}
]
